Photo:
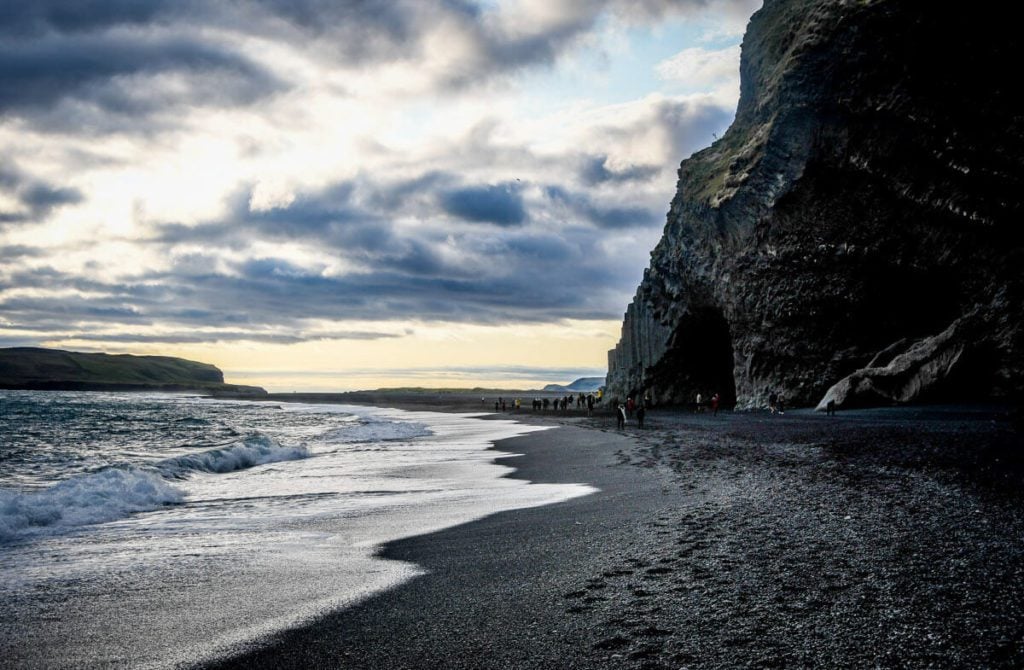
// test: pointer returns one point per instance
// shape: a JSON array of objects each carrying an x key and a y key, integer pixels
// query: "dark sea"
[{"x": 150, "y": 530}]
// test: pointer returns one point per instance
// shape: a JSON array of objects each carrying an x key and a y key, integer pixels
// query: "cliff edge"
[
  {"x": 32, "y": 368},
  {"x": 855, "y": 235}
]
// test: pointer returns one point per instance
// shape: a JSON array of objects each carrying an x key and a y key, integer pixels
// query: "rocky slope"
[
  {"x": 863, "y": 209},
  {"x": 51, "y": 369}
]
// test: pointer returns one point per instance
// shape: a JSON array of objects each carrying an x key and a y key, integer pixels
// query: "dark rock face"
[{"x": 867, "y": 198}]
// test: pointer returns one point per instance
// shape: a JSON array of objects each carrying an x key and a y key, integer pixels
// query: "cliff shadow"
[{"x": 699, "y": 360}]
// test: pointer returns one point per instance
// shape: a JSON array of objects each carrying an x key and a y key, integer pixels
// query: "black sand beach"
[{"x": 887, "y": 538}]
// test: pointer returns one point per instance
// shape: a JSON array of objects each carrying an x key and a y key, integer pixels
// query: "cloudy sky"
[{"x": 319, "y": 194}]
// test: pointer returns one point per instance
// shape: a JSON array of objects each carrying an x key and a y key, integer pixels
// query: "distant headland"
[{"x": 33, "y": 368}]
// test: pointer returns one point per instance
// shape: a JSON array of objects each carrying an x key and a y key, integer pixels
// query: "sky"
[{"x": 324, "y": 195}]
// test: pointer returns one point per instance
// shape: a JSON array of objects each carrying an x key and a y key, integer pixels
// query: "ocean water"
[{"x": 150, "y": 530}]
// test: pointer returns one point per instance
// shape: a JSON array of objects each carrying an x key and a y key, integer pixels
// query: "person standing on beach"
[
  {"x": 715, "y": 400},
  {"x": 630, "y": 406},
  {"x": 620, "y": 414},
  {"x": 700, "y": 402},
  {"x": 641, "y": 411},
  {"x": 773, "y": 401},
  {"x": 590, "y": 405}
]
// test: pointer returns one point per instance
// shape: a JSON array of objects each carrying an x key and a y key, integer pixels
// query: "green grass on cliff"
[{"x": 25, "y": 366}]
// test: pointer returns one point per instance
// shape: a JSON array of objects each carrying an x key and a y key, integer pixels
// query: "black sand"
[{"x": 886, "y": 538}]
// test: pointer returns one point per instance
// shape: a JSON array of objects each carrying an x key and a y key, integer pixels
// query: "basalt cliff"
[{"x": 856, "y": 234}]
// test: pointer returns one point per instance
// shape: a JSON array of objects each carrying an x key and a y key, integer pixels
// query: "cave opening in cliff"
[{"x": 701, "y": 357}]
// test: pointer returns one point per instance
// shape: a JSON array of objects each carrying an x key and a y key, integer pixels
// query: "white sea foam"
[
  {"x": 373, "y": 429},
  {"x": 117, "y": 492},
  {"x": 86, "y": 499}
]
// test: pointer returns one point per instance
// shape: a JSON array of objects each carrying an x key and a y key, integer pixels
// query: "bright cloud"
[{"x": 699, "y": 67}]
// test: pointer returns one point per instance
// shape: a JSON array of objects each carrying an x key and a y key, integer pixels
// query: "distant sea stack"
[
  {"x": 856, "y": 234},
  {"x": 31, "y": 368}
]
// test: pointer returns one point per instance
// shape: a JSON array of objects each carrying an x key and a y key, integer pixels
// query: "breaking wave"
[
  {"x": 254, "y": 450},
  {"x": 117, "y": 492}
]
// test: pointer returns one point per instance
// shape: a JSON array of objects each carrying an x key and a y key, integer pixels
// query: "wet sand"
[{"x": 889, "y": 538}]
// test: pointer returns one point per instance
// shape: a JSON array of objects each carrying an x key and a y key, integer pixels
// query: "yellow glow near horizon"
[{"x": 433, "y": 356}]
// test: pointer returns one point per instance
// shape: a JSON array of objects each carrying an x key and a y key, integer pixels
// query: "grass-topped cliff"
[{"x": 53, "y": 369}]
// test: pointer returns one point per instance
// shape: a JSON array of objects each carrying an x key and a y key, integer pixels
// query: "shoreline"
[
  {"x": 881, "y": 537},
  {"x": 487, "y": 573},
  {"x": 251, "y": 569}
]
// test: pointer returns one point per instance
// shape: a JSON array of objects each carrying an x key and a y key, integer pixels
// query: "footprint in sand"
[
  {"x": 654, "y": 631},
  {"x": 657, "y": 572},
  {"x": 616, "y": 642},
  {"x": 617, "y": 573}
]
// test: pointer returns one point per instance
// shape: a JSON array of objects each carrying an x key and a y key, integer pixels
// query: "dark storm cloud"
[
  {"x": 340, "y": 219},
  {"x": 63, "y": 311},
  {"x": 17, "y": 251},
  {"x": 393, "y": 196},
  {"x": 43, "y": 198},
  {"x": 193, "y": 337},
  {"x": 36, "y": 198},
  {"x": 582, "y": 206},
  {"x": 93, "y": 66},
  {"x": 42, "y": 16},
  {"x": 691, "y": 124},
  {"x": 492, "y": 275},
  {"x": 500, "y": 204},
  {"x": 98, "y": 69},
  {"x": 594, "y": 171},
  {"x": 510, "y": 270},
  {"x": 67, "y": 65},
  {"x": 328, "y": 220},
  {"x": 381, "y": 24}
]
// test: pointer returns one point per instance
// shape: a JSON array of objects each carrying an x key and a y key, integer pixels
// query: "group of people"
[
  {"x": 714, "y": 403},
  {"x": 776, "y": 403},
  {"x": 569, "y": 401},
  {"x": 634, "y": 406},
  {"x": 625, "y": 411}
]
